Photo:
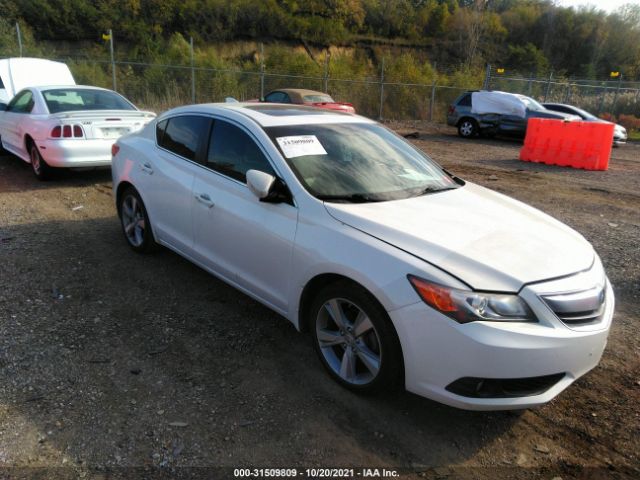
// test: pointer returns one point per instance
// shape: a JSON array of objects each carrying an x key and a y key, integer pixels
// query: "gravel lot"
[{"x": 117, "y": 365}]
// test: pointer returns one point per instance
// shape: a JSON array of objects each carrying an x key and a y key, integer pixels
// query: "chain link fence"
[
  {"x": 381, "y": 95},
  {"x": 596, "y": 95}
]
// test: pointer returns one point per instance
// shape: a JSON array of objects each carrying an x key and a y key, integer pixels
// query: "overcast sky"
[{"x": 608, "y": 5}]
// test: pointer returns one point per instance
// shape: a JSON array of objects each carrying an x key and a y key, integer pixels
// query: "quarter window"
[
  {"x": 184, "y": 134},
  {"x": 21, "y": 103},
  {"x": 465, "y": 101},
  {"x": 233, "y": 152}
]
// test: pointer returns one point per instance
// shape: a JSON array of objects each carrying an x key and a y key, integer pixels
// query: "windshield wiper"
[
  {"x": 351, "y": 198},
  {"x": 427, "y": 190}
]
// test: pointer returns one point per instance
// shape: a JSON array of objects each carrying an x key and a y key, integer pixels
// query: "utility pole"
[
  {"x": 19, "y": 37},
  {"x": 381, "y": 89},
  {"x": 113, "y": 61},
  {"x": 433, "y": 100},
  {"x": 546, "y": 91},
  {"x": 326, "y": 72},
  {"x": 615, "y": 96},
  {"x": 487, "y": 78},
  {"x": 261, "y": 70},
  {"x": 193, "y": 72}
]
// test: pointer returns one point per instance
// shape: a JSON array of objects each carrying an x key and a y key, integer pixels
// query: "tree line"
[{"x": 531, "y": 36}]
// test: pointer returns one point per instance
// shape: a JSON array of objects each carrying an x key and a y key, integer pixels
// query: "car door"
[
  {"x": 239, "y": 237},
  {"x": 14, "y": 121},
  {"x": 166, "y": 177}
]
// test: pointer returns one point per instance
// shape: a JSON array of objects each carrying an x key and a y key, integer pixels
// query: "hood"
[{"x": 487, "y": 240}]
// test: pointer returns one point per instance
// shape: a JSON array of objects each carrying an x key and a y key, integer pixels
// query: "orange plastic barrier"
[{"x": 568, "y": 144}]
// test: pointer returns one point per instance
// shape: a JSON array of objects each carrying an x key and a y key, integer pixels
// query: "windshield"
[
  {"x": 530, "y": 103},
  {"x": 318, "y": 99},
  {"x": 584, "y": 114},
  {"x": 73, "y": 99},
  {"x": 357, "y": 162}
]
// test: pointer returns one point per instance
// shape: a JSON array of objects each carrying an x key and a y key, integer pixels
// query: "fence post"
[
  {"x": 193, "y": 72},
  {"x": 530, "y": 83},
  {"x": 432, "y": 101},
  {"x": 381, "y": 89},
  {"x": 19, "y": 37},
  {"x": 487, "y": 78},
  {"x": 113, "y": 62},
  {"x": 615, "y": 96},
  {"x": 604, "y": 94},
  {"x": 326, "y": 73},
  {"x": 261, "y": 70},
  {"x": 546, "y": 91}
]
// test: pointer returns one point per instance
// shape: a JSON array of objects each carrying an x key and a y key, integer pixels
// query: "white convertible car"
[
  {"x": 403, "y": 273},
  {"x": 67, "y": 126}
]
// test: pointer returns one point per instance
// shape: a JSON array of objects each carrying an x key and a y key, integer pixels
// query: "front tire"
[
  {"x": 354, "y": 339},
  {"x": 468, "y": 128},
  {"x": 40, "y": 168},
  {"x": 135, "y": 222}
]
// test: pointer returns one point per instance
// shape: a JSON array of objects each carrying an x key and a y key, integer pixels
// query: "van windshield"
[{"x": 74, "y": 99}]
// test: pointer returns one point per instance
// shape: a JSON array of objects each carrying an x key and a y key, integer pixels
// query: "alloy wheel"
[
  {"x": 348, "y": 341},
  {"x": 35, "y": 161},
  {"x": 133, "y": 220}
]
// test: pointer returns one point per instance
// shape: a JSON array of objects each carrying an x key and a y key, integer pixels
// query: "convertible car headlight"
[{"x": 465, "y": 306}]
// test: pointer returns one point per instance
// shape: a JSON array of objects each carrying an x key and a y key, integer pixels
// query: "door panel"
[
  {"x": 167, "y": 177},
  {"x": 245, "y": 240},
  {"x": 168, "y": 183}
]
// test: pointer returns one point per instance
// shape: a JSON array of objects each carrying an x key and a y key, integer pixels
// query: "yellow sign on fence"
[
  {"x": 615, "y": 74},
  {"x": 500, "y": 70},
  {"x": 106, "y": 36}
]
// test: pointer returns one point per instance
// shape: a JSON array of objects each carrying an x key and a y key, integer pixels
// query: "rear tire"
[
  {"x": 135, "y": 222},
  {"x": 40, "y": 168},
  {"x": 354, "y": 339},
  {"x": 468, "y": 128}
]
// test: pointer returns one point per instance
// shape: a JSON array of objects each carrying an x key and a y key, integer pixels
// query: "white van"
[{"x": 19, "y": 73}]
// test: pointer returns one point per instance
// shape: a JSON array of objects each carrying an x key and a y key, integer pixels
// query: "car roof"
[
  {"x": 42, "y": 88},
  {"x": 271, "y": 114}
]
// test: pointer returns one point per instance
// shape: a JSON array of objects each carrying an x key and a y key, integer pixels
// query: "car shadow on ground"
[
  {"x": 113, "y": 359},
  {"x": 23, "y": 179}
]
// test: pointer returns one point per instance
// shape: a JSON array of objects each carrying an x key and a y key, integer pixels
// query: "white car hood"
[{"x": 489, "y": 241}]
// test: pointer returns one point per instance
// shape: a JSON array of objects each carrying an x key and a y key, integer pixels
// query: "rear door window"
[{"x": 185, "y": 135}]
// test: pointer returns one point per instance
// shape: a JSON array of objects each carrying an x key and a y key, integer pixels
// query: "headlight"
[{"x": 464, "y": 306}]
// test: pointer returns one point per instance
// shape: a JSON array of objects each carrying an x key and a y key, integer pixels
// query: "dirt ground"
[{"x": 118, "y": 365}]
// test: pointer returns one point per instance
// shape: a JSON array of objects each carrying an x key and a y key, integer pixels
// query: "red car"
[{"x": 312, "y": 98}]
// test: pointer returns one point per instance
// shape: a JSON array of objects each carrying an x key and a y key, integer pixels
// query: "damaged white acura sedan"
[{"x": 404, "y": 274}]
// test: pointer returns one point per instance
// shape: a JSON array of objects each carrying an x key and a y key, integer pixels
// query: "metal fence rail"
[{"x": 159, "y": 86}]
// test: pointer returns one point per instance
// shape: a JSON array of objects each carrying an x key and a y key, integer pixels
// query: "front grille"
[
  {"x": 503, "y": 387},
  {"x": 578, "y": 308}
]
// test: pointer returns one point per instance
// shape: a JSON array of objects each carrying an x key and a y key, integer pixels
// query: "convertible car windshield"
[{"x": 357, "y": 162}]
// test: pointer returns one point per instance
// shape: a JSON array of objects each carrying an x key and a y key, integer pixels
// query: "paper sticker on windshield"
[{"x": 300, "y": 145}]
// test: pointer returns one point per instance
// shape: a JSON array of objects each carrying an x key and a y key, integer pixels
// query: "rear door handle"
[
  {"x": 147, "y": 168},
  {"x": 205, "y": 199}
]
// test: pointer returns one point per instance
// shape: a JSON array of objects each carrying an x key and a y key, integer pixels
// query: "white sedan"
[
  {"x": 404, "y": 274},
  {"x": 67, "y": 126}
]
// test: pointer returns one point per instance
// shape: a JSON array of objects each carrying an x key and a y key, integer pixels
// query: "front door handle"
[
  {"x": 147, "y": 168},
  {"x": 205, "y": 199}
]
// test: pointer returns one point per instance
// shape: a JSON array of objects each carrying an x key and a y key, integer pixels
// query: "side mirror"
[
  {"x": 260, "y": 183},
  {"x": 3, "y": 107},
  {"x": 268, "y": 188}
]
